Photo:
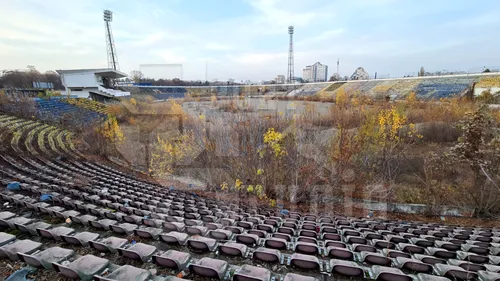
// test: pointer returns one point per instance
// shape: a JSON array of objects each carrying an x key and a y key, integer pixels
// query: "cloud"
[
  {"x": 150, "y": 39},
  {"x": 217, "y": 47},
  {"x": 257, "y": 58},
  {"x": 250, "y": 40}
]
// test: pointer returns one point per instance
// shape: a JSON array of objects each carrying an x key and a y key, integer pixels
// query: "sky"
[{"x": 248, "y": 39}]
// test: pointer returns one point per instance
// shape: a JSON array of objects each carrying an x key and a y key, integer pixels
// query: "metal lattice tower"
[
  {"x": 110, "y": 42},
  {"x": 290, "y": 77}
]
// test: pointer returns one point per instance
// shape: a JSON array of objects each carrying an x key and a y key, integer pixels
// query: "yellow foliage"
[
  {"x": 341, "y": 98},
  {"x": 133, "y": 102},
  {"x": 274, "y": 140},
  {"x": 224, "y": 186},
  {"x": 260, "y": 172},
  {"x": 259, "y": 189},
  {"x": 385, "y": 129},
  {"x": 176, "y": 108},
  {"x": 411, "y": 99},
  {"x": 166, "y": 153},
  {"x": 213, "y": 98},
  {"x": 489, "y": 82},
  {"x": 201, "y": 117},
  {"x": 238, "y": 184},
  {"x": 272, "y": 203},
  {"x": 115, "y": 110},
  {"x": 111, "y": 131},
  {"x": 250, "y": 189}
]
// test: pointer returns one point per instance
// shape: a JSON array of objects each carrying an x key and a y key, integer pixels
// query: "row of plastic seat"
[{"x": 298, "y": 259}]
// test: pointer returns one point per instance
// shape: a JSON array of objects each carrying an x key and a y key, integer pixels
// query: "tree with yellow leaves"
[
  {"x": 111, "y": 131},
  {"x": 383, "y": 137},
  {"x": 411, "y": 99},
  {"x": 274, "y": 140},
  {"x": 133, "y": 102},
  {"x": 166, "y": 153},
  {"x": 341, "y": 98}
]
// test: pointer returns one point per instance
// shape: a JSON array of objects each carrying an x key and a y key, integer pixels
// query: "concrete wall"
[
  {"x": 80, "y": 80},
  {"x": 81, "y": 94}
]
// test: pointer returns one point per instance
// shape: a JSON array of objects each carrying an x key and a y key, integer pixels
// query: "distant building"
[
  {"x": 280, "y": 79},
  {"x": 315, "y": 73},
  {"x": 307, "y": 74}
]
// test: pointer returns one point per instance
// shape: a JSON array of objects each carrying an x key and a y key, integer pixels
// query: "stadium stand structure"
[
  {"x": 88, "y": 104},
  {"x": 58, "y": 108},
  {"x": 114, "y": 226},
  {"x": 432, "y": 87}
]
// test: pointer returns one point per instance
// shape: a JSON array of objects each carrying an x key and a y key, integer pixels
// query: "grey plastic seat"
[
  {"x": 148, "y": 232},
  {"x": 252, "y": 273},
  {"x": 202, "y": 244},
  {"x": 454, "y": 272},
  {"x": 413, "y": 265},
  {"x": 248, "y": 239},
  {"x": 211, "y": 268},
  {"x": 19, "y": 246},
  {"x": 197, "y": 230},
  {"x": 32, "y": 227},
  {"x": 45, "y": 258},
  {"x": 339, "y": 253},
  {"x": 488, "y": 276},
  {"x": 347, "y": 268},
  {"x": 172, "y": 259},
  {"x": 123, "y": 228},
  {"x": 267, "y": 255},
  {"x": 13, "y": 222},
  {"x": 138, "y": 251},
  {"x": 233, "y": 249},
  {"x": 383, "y": 273},
  {"x": 306, "y": 248},
  {"x": 375, "y": 259},
  {"x": 83, "y": 268},
  {"x": 83, "y": 220},
  {"x": 103, "y": 224},
  {"x": 55, "y": 233},
  {"x": 304, "y": 261},
  {"x": 276, "y": 243},
  {"x": 81, "y": 238},
  {"x": 221, "y": 234},
  {"x": 174, "y": 226},
  {"x": 475, "y": 258},
  {"x": 126, "y": 273},
  {"x": 428, "y": 277},
  {"x": 6, "y": 238},
  {"x": 109, "y": 244}
]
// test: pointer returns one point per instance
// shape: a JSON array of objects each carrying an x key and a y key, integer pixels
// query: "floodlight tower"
[
  {"x": 110, "y": 43},
  {"x": 290, "y": 77}
]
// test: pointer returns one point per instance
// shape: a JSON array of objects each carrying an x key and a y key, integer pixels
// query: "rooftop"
[{"x": 104, "y": 72}]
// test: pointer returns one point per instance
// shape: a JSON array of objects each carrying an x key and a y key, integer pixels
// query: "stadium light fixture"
[{"x": 108, "y": 16}]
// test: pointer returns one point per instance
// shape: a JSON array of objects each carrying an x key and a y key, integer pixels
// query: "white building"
[
  {"x": 96, "y": 84},
  {"x": 307, "y": 74},
  {"x": 280, "y": 79},
  {"x": 315, "y": 73}
]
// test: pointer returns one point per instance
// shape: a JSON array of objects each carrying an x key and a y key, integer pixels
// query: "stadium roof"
[{"x": 104, "y": 72}]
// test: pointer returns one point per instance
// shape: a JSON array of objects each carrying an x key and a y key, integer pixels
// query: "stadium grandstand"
[
  {"x": 80, "y": 219},
  {"x": 432, "y": 87},
  {"x": 62, "y": 211}
]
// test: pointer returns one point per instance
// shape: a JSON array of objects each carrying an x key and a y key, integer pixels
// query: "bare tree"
[
  {"x": 421, "y": 72},
  {"x": 136, "y": 75}
]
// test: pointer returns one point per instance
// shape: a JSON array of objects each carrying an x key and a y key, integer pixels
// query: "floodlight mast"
[
  {"x": 291, "y": 77},
  {"x": 110, "y": 43}
]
